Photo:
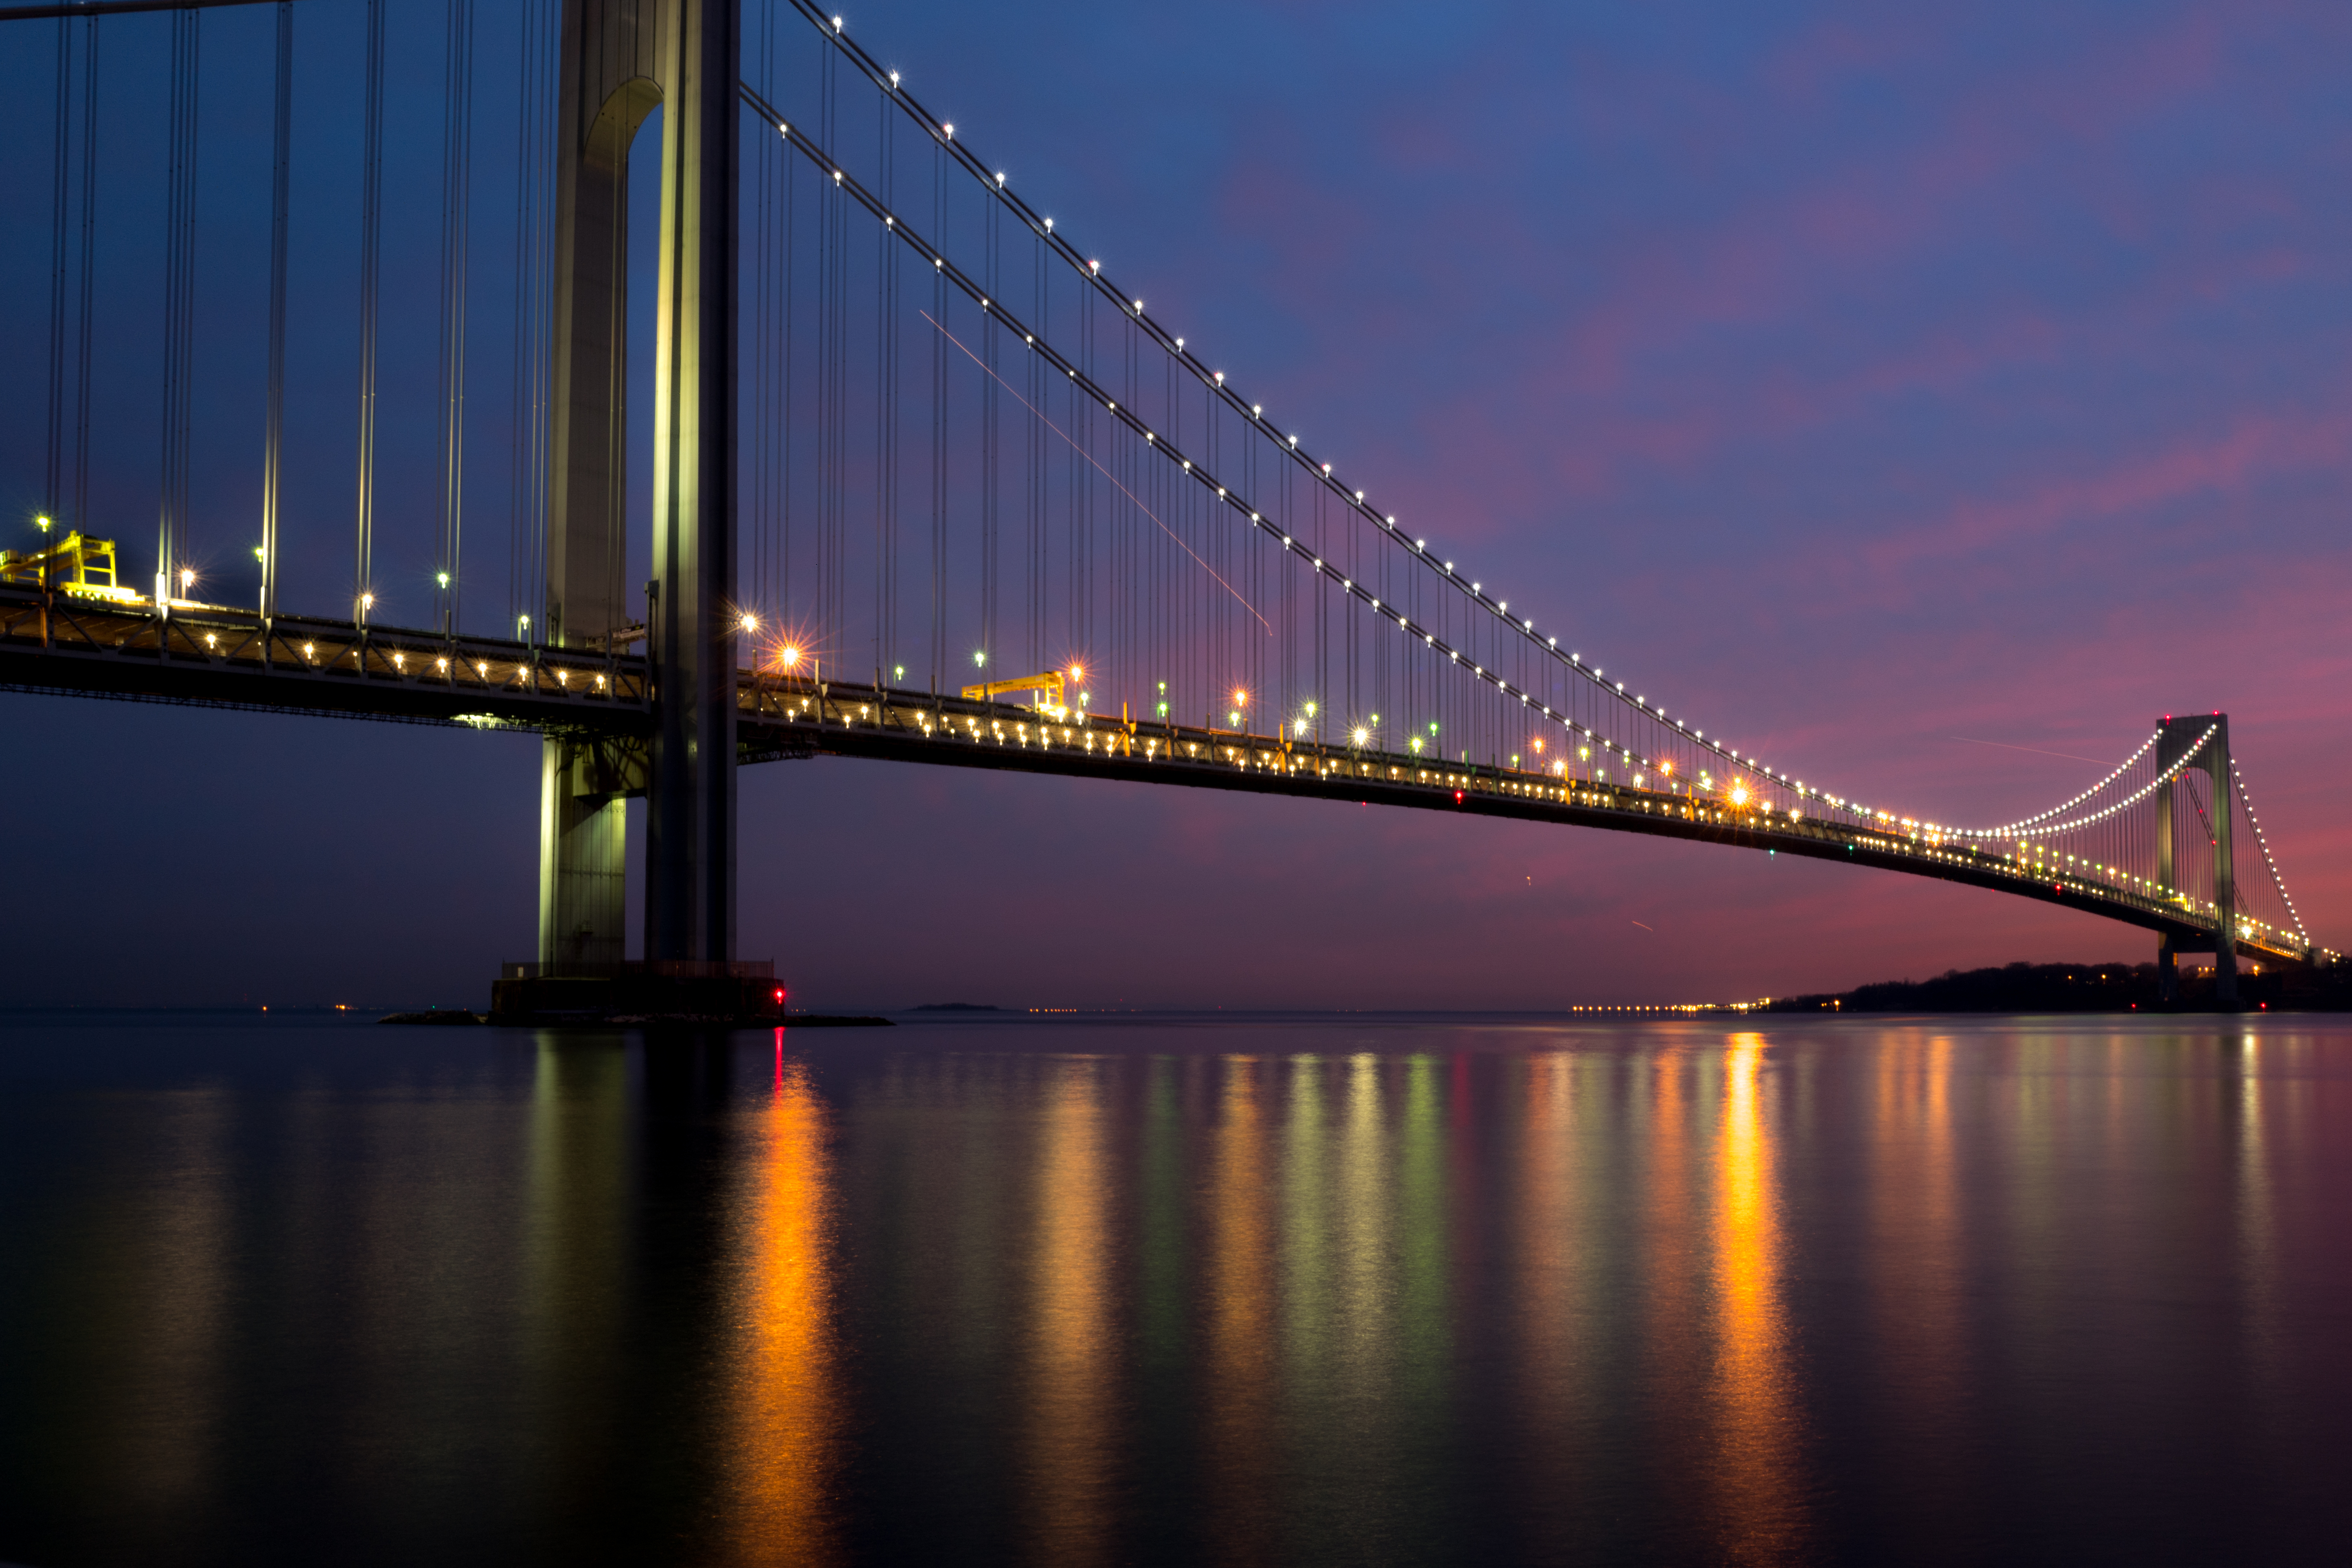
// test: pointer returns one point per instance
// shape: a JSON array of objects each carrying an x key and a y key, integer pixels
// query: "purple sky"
[{"x": 1905, "y": 396}]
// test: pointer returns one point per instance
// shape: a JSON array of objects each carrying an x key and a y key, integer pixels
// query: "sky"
[{"x": 1928, "y": 398}]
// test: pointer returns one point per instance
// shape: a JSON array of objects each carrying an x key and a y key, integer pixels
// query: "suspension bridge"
[{"x": 928, "y": 485}]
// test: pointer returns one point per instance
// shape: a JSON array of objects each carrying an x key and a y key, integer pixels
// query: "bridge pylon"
[
  {"x": 620, "y": 60},
  {"x": 2176, "y": 738}
]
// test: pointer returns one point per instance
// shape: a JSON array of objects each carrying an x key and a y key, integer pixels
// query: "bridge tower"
[
  {"x": 620, "y": 60},
  {"x": 2176, "y": 736}
]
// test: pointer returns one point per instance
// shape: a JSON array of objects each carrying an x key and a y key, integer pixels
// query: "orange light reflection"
[
  {"x": 1762, "y": 1506},
  {"x": 1076, "y": 1375},
  {"x": 786, "y": 1398}
]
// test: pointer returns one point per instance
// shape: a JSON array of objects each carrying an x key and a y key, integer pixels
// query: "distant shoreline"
[{"x": 2081, "y": 988}]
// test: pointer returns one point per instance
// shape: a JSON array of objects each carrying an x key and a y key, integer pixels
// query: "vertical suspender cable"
[
  {"x": 758, "y": 556},
  {"x": 888, "y": 651},
  {"x": 274, "y": 414},
  {"x": 88, "y": 270},
  {"x": 517, "y": 394},
  {"x": 545, "y": 68},
  {"x": 938, "y": 429},
  {"x": 785, "y": 428},
  {"x": 457, "y": 85},
  {"x": 54, "y": 476},
  {"x": 885, "y": 249},
  {"x": 178, "y": 304},
  {"x": 828, "y": 318},
  {"x": 991, "y": 215},
  {"x": 371, "y": 249},
  {"x": 527, "y": 472},
  {"x": 1036, "y": 458}
]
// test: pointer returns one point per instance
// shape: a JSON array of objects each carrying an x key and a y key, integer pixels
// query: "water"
[{"x": 1351, "y": 1290}]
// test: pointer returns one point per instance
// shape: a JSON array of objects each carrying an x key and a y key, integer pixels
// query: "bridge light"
[
  {"x": 187, "y": 578},
  {"x": 751, "y": 623},
  {"x": 788, "y": 657},
  {"x": 42, "y": 523},
  {"x": 1362, "y": 734},
  {"x": 980, "y": 657},
  {"x": 442, "y": 577}
]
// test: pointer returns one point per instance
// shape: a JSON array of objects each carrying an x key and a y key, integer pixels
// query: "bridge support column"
[
  {"x": 582, "y": 858},
  {"x": 620, "y": 58},
  {"x": 690, "y": 816},
  {"x": 2176, "y": 737}
]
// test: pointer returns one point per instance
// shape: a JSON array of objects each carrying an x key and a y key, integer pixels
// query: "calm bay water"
[{"x": 1347, "y": 1291}]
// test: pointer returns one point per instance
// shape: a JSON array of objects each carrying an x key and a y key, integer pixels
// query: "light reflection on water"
[
  {"x": 785, "y": 1402},
  {"x": 1281, "y": 1292}
]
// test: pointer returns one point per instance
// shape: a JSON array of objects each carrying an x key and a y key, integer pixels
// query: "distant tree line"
[{"x": 2081, "y": 988}]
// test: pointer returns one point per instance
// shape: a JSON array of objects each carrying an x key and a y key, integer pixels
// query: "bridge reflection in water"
[{"x": 1280, "y": 1293}]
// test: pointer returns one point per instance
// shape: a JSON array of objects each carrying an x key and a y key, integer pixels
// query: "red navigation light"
[
  {"x": 1457, "y": 797},
  {"x": 779, "y": 993}
]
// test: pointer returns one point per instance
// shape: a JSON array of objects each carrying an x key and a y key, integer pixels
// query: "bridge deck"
[
  {"x": 214, "y": 655},
  {"x": 219, "y": 657},
  {"x": 848, "y": 719}
]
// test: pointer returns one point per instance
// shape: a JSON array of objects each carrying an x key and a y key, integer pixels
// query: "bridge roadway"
[
  {"x": 794, "y": 717},
  {"x": 219, "y": 657}
]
